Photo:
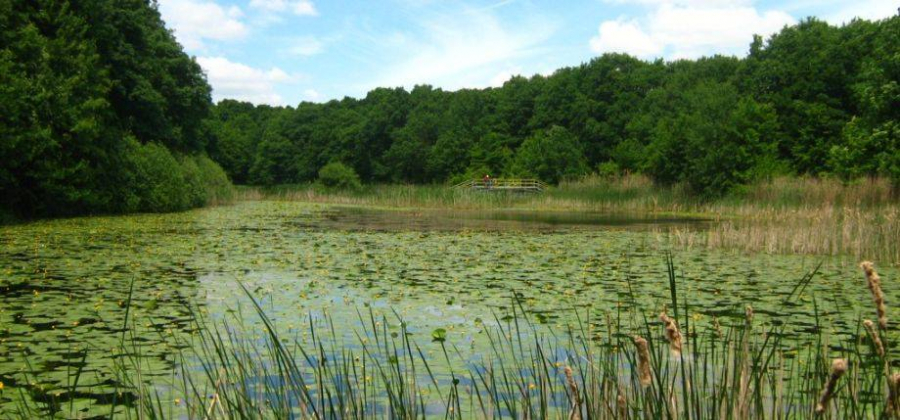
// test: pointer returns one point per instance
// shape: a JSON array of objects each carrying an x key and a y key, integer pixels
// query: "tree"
[
  {"x": 339, "y": 176},
  {"x": 80, "y": 82},
  {"x": 551, "y": 156}
]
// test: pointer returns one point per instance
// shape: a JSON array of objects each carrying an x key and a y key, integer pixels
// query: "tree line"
[
  {"x": 812, "y": 99},
  {"x": 101, "y": 111}
]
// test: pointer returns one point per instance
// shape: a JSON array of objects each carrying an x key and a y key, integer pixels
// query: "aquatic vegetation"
[
  {"x": 386, "y": 371},
  {"x": 578, "y": 290},
  {"x": 819, "y": 216}
]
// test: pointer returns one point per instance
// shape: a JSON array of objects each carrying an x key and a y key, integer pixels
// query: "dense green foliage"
[
  {"x": 100, "y": 111},
  {"x": 813, "y": 99},
  {"x": 340, "y": 176}
]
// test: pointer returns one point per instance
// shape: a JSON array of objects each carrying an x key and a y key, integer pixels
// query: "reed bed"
[
  {"x": 819, "y": 216},
  {"x": 630, "y": 367}
]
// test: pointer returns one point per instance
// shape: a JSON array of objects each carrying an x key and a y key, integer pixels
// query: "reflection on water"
[{"x": 65, "y": 282}]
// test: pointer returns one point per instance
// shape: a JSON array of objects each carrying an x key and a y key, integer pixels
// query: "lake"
[{"x": 66, "y": 284}]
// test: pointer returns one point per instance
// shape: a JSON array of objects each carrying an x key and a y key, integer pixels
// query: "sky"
[{"x": 283, "y": 52}]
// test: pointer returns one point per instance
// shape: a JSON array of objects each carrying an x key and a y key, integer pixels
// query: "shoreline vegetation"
[
  {"x": 784, "y": 215},
  {"x": 652, "y": 363}
]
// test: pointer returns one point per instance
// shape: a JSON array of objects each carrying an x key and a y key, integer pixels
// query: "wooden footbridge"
[{"x": 503, "y": 184}]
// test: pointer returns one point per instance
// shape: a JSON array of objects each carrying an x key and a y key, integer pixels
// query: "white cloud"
[
  {"x": 462, "y": 51},
  {"x": 306, "y": 46},
  {"x": 242, "y": 82},
  {"x": 689, "y": 29},
  {"x": 312, "y": 95},
  {"x": 197, "y": 20},
  {"x": 500, "y": 78},
  {"x": 622, "y": 36},
  {"x": 297, "y": 7},
  {"x": 865, "y": 9}
]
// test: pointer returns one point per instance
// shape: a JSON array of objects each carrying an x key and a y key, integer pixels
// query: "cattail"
[
  {"x": 876, "y": 339},
  {"x": 838, "y": 368},
  {"x": 672, "y": 333},
  {"x": 643, "y": 353},
  {"x": 874, "y": 282},
  {"x": 622, "y": 406},
  {"x": 717, "y": 327},
  {"x": 893, "y": 402},
  {"x": 575, "y": 413},
  {"x": 748, "y": 315}
]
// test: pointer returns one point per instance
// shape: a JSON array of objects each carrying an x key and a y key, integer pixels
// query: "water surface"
[{"x": 65, "y": 283}]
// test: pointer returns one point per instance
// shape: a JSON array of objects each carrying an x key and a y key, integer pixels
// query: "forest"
[
  {"x": 101, "y": 111},
  {"x": 814, "y": 99}
]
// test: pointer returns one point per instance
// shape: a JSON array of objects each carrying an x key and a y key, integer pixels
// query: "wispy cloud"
[
  {"x": 466, "y": 49},
  {"x": 305, "y": 46}
]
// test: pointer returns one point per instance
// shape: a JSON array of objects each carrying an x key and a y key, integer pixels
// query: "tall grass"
[
  {"x": 784, "y": 215},
  {"x": 622, "y": 368}
]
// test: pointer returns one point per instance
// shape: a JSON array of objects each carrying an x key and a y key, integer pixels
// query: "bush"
[
  {"x": 339, "y": 176},
  {"x": 163, "y": 182},
  {"x": 608, "y": 170},
  {"x": 217, "y": 186},
  {"x": 159, "y": 180}
]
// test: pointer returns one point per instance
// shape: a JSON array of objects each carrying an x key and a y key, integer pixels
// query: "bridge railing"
[{"x": 503, "y": 184}]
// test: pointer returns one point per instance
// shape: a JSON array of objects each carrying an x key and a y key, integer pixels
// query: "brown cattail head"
[
  {"x": 838, "y": 368},
  {"x": 575, "y": 397},
  {"x": 876, "y": 339},
  {"x": 893, "y": 402},
  {"x": 717, "y": 327},
  {"x": 672, "y": 333},
  {"x": 749, "y": 315},
  {"x": 874, "y": 283},
  {"x": 643, "y": 353},
  {"x": 622, "y": 406}
]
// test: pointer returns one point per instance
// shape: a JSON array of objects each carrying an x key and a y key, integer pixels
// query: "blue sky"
[{"x": 282, "y": 52}]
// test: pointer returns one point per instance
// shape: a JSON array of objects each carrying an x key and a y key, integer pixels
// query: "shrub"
[
  {"x": 159, "y": 180},
  {"x": 164, "y": 182},
  {"x": 217, "y": 186},
  {"x": 608, "y": 170},
  {"x": 339, "y": 176}
]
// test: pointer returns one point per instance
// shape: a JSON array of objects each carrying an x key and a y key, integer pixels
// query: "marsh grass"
[
  {"x": 743, "y": 370},
  {"x": 784, "y": 215}
]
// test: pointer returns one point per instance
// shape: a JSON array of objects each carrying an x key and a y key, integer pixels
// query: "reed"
[
  {"x": 876, "y": 338},
  {"x": 643, "y": 356},
  {"x": 838, "y": 369},
  {"x": 783, "y": 215},
  {"x": 673, "y": 335},
  {"x": 874, "y": 283},
  {"x": 892, "y": 408}
]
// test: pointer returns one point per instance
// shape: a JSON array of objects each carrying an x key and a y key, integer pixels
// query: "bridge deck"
[{"x": 502, "y": 184}]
